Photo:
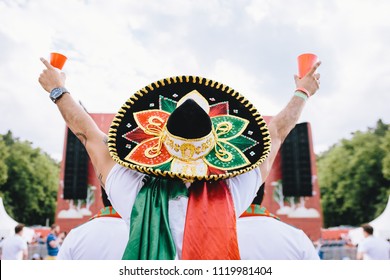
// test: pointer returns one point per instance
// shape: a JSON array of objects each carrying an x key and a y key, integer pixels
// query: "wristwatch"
[{"x": 56, "y": 93}]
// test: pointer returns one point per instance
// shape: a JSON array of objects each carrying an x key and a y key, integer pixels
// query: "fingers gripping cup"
[
  {"x": 305, "y": 63},
  {"x": 57, "y": 60}
]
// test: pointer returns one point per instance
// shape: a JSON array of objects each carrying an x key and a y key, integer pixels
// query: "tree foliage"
[
  {"x": 354, "y": 177},
  {"x": 28, "y": 181},
  {"x": 386, "y": 159},
  {"x": 3, "y": 166}
]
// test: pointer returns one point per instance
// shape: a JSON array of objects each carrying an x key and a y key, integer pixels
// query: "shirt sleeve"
[
  {"x": 122, "y": 187},
  {"x": 244, "y": 189}
]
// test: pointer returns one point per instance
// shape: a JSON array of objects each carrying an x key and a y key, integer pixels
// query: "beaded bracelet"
[
  {"x": 305, "y": 91},
  {"x": 301, "y": 95}
]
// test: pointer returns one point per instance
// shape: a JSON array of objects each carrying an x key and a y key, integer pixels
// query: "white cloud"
[
  {"x": 245, "y": 83},
  {"x": 259, "y": 10},
  {"x": 115, "y": 48}
]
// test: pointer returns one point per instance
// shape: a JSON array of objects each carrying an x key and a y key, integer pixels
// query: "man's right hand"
[{"x": 50, "y": 77}]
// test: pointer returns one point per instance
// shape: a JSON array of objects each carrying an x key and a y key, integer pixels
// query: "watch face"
[{"x": 56, "y": 93}]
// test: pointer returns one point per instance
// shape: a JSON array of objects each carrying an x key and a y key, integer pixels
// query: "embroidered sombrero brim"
[{"x": 241, "y": 132}]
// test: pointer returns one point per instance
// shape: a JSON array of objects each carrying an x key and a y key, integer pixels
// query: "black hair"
[
  {"x": 367, "y": 228},
  {"x": 106, "y": 201},
  {"x": 19, "y": 228},
  {"x": 259, "y": 196}
]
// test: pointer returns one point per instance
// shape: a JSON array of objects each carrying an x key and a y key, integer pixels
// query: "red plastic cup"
[
  {"x": 305, "y": 63},
  {"x": 57, "y": 60}
]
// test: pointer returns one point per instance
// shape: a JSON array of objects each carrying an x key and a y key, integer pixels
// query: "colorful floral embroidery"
[{"x": 226, "y": 153}]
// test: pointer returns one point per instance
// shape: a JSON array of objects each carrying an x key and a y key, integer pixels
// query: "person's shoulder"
[
  {"x": 19, "y": 238},
  {"x": 255, "y": 172},
  {"x": 120, "y": 168},
  {"x": 363, "y": 242},
  {"x": 266, "y": 221},
  {"x": 286, "y": 227},
  {"x": 291, "y": 227},
  {"x": 50, "y": 237},
  {"x": 76, "y": 229},
  {"x": 118, "y": 171},
  {"x": 107, "y": 222}
]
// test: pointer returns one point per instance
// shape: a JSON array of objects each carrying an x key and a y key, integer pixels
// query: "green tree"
[
  {"x": 29, "y": 190},
  {"x": 351, "y": 176},
  {"x": 3, "y": 166},
  {"x": 386, "y": 159}
]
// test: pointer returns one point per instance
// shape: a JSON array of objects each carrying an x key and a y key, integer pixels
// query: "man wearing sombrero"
[{"x": 182, "y": 160}]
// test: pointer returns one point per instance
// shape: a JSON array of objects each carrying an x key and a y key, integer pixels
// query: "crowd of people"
[
  {"x": 183, "y": 168},
  {"x": 16, "y": 247}
]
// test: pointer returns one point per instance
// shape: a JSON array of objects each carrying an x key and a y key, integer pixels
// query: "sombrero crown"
[{"x": 190, "y": 128}]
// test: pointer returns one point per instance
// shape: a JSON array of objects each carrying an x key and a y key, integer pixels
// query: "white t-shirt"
[
  {"x": 123, "y": 185},
  {"x": 374, "y": 248},
  {"x": 103, "y": 238},
  {"x": 12, "y": 248},
  {"x": 266, "y": 238}
]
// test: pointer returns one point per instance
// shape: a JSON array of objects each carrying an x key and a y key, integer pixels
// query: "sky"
[{"x": 115, "y": 48}]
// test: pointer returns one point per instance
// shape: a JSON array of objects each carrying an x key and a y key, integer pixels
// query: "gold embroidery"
[
  {"x": 153, "y": 151},
  {"x": 155, "y": 126},
  {"x": 222, "y": 154},
  {"x": 186, "y": 149},
  {"x": 223, "y": 128}
]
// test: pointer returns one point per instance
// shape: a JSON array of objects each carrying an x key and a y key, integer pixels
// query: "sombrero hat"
[{"x": 191, "y": 128}]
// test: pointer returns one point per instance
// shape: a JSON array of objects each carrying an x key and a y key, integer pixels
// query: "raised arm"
[
  {"x": 281, "y": 124},
  {"x": 79, "y": 122}
]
